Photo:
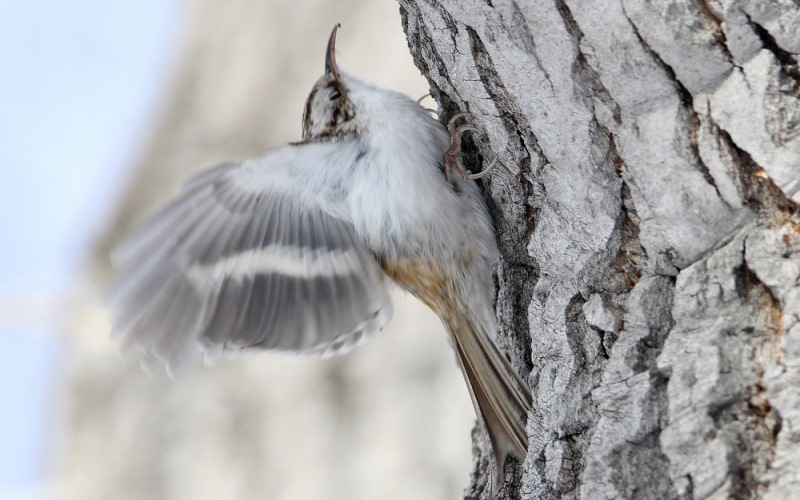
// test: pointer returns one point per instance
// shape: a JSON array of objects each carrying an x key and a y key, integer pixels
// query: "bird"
[{"x": 294, "y": 250}]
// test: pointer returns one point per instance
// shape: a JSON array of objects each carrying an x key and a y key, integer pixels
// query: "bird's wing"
[{"x": 258, "y": 254}]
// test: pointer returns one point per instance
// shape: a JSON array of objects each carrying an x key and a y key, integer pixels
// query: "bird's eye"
[{"x": 335, "y": 95}]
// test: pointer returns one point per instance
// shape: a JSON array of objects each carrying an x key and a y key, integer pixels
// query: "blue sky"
[{"x": 79, "y": 83}]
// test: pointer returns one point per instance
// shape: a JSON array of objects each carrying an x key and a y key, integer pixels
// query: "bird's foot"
[
  {"x": 452, "y": 157},
  {"x": 432, "y": 111}
]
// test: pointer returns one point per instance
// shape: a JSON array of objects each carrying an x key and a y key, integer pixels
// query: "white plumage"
[{"x": 291, "y": 251}]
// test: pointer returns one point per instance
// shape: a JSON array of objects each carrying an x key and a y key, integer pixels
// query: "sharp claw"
[
  {"x": 452, "y": 123},
  {"x": 483, "y": 172},
  {"x": 451, "y": 157},
  {"x": 429, "y": 110}
]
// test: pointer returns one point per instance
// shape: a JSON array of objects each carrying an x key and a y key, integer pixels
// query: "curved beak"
[{"x": 330, "y": 56}]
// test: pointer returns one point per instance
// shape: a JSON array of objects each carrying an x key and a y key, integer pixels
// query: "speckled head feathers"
[{"x": 329, "y": 113}]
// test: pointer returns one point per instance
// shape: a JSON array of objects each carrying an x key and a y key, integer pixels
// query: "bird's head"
[{"x": 330, "y": 112}]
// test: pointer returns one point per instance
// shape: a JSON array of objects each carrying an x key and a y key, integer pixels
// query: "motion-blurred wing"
[{"x": 250, "y": 255}]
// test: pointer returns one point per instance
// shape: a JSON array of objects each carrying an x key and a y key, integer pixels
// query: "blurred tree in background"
[{"x": 390, "y": 420}]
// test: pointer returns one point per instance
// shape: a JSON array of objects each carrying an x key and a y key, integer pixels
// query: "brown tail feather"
[{"x": 501, "y": 398}]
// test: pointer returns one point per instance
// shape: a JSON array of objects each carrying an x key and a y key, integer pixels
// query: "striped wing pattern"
[{"x": 247, "y": 258}]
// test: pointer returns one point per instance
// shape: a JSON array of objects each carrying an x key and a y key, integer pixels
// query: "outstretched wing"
[{"x": 258, "y": 254}]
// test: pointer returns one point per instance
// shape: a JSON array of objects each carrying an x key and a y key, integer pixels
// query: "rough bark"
[{"x": 646, "y": 211}]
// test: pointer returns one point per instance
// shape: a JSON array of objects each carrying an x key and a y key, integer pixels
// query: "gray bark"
[{"x": 646, "y": 211}]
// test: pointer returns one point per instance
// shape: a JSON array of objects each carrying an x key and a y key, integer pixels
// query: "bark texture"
[{"x": 646, "y": 211}]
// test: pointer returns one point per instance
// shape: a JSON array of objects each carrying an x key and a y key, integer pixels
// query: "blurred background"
[{"x": 105, "y": 108}]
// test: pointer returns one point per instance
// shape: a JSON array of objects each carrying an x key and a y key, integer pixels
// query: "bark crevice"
[{"x": 633, "y": 177}]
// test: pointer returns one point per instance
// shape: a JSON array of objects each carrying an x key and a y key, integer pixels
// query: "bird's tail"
[{"x": 501, "y": 398}]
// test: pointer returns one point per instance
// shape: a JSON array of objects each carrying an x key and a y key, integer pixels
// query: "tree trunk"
[{"x": 647, "y": 217}]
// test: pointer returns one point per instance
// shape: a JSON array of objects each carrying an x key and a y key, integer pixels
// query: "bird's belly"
[{"x": 424, "y": 280}]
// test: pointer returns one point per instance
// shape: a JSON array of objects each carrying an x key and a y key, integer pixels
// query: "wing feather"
[{"x": 250, "y": 256}]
